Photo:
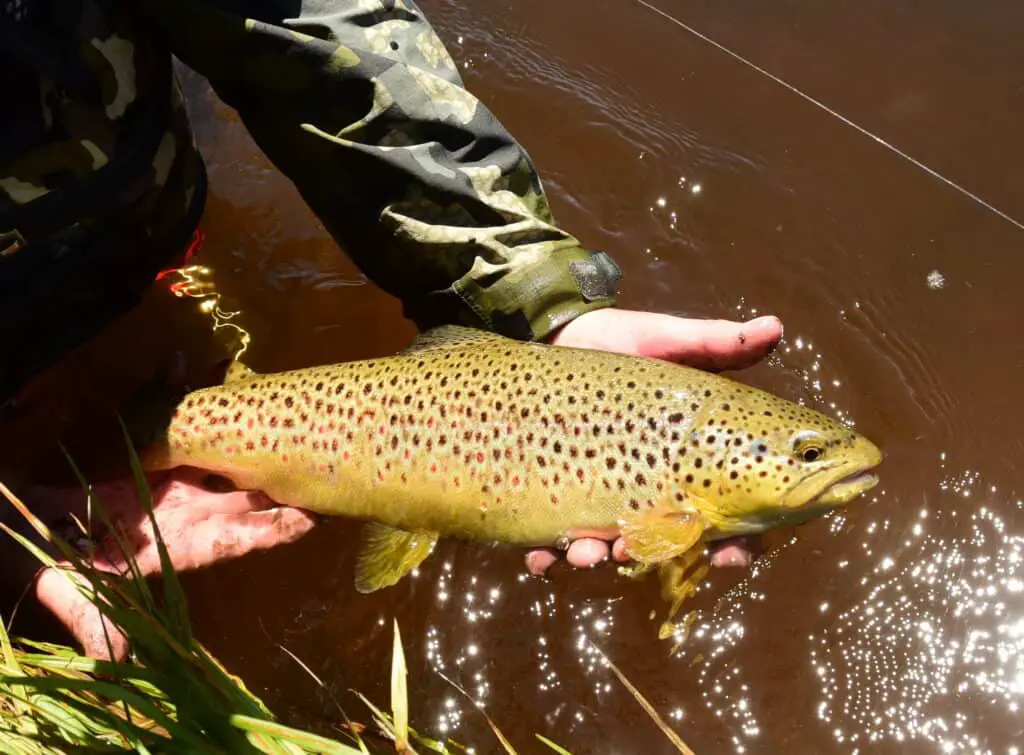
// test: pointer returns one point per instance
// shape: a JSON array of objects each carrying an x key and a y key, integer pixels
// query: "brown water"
[{"x": 898, "y": 627}]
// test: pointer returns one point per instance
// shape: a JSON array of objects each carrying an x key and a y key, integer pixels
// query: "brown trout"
[{"x": 476, "y": 436}]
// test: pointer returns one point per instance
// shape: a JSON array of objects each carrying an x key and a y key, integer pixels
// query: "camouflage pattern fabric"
[
  {"x": 356, "y": 101},
  {"x": 360, "y": 104}
]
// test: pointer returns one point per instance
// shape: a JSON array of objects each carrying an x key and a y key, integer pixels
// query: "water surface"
[{"x": 897, "y": 627}]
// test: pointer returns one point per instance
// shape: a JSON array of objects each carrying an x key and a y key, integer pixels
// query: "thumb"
[
  {"x": 57, "y": 592},
  {"x": 710, "y": 344}
]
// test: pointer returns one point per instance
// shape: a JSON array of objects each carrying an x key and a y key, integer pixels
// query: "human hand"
[
  {"x": 200, "y": 527},
  {"x": 711, "y": 345}
]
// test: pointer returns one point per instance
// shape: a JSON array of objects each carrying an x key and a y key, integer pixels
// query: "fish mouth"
[{"x": 847, "y": 488}]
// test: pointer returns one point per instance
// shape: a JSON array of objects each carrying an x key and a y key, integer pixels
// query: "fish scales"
[
  {"x": 531, "y": 444},
  {"x": 476, "y": 436}
]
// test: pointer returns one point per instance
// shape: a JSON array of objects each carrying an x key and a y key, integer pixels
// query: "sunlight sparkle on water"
[{"x": 950, "y": 621}]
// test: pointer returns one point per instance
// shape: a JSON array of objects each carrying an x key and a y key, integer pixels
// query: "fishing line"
[{"x": 835, "y": 114}]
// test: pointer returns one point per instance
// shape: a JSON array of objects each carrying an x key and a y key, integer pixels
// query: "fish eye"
[
  {"x": 811, "y": 453},
  {"x": 808, "y": 447}
]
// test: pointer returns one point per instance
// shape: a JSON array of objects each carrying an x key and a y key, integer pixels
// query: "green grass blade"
[
  {"x": 557, "y": 748},
  {"x": 669, "y": 733},
  {"x": 494, "y": 727},
  {"x": 173, "y": 592},
  {"x": 399, "y": 693},
  {"x": 59, "y": 688},
  {"x": 308, "y": 741}
]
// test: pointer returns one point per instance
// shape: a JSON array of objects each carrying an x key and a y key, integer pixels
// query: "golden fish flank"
[{"x": 473, "y": 435}]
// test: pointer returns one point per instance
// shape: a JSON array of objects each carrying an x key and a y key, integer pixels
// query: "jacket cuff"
[{"x": 533, "y": 296}]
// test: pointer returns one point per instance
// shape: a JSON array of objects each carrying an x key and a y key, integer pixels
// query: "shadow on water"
[{"x": 897, "y": 626}]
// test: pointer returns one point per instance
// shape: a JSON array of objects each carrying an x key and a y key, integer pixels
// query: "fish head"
[{"x": 767, "y": 463}]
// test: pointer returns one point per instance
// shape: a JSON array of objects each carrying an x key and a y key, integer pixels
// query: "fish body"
[{"x": 472, "y": 435}]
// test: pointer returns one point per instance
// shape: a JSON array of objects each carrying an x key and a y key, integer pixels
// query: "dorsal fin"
[
  {"x": 449, "y": 337},
  {"x": 236, "y": 372}
]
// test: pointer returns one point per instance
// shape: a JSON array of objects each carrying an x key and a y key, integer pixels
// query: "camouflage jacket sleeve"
[{"x": 359, "y": 103}]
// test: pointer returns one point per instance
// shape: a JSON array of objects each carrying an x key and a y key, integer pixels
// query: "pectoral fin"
[
  {"x": 660, "y": 534},
  {"x": 388, "y": 554}
]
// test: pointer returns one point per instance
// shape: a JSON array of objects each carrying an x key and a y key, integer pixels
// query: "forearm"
[{"x": 362, "y": 107}]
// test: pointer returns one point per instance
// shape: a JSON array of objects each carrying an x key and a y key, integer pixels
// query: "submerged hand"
[
  {"x": 705, "y": 344},
  {"x": 199, "y": 526}
]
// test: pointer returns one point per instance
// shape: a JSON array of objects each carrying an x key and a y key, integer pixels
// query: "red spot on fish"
[
  {"x": 430, "y": 422},
  {"x": 381, "y": 430},
  {"x": 554, "y": 499},
  {"x": 251, "y": 423},
  {"x": 250, "y": 446},
  {"x": 456, "y": 481},
  {"x": 334, "y": 444},
  {"x": 323, "y": 468},
  {"x": 515, "y": 481},
  {"x": 433, "y": 468},
  {"x": 407, "y": 453},
  {"x": 480, "y": 456},
  {"x": 346, "y": 456},
  {"x": 284, "y": 457}
]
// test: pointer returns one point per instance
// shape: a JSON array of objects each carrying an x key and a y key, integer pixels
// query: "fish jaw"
[{"x": 846, "y": 489}]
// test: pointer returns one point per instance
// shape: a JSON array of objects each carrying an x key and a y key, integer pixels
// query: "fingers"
[
  {"x": 223, "y": 537},
  {"x": 588, "y": 552},
  {"x": 582, "y": 554},
  {"x": 539, "y": 560},
  {"x": 734, "y": 551},
  {"x": 187, "y": 489}
]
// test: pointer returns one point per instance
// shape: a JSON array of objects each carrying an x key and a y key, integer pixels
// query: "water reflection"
[{"x": 932, "y": 639}]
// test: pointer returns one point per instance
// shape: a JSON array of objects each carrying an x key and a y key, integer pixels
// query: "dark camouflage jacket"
[{"x": 357, "y": 101}]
